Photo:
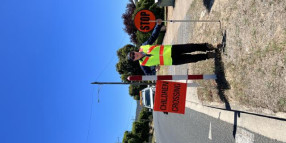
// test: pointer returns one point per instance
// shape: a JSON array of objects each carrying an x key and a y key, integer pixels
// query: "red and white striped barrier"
[{"x": 170, "y": 77}]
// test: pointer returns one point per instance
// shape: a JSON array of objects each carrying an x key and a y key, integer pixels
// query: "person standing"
[{"x": 158, "y": 55}]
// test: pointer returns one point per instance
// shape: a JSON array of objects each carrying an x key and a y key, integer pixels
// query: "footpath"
[{"x": 179, "y": 33}]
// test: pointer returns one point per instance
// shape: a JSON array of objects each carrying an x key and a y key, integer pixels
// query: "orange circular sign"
[{"x": 142, "y": 20}]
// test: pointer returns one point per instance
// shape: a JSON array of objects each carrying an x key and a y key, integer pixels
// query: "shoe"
[
  {"x": 219, "y": 46},
  {"x": 211, "y": 55},
  {"x": 210, "y": 47}
]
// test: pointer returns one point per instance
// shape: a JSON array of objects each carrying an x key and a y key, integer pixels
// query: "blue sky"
[{"x": 50, "y": 52}]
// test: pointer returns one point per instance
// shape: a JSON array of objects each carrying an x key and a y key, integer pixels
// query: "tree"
[
  {"x": 144, "y": 115},
  {"x": 134, "y": 90},
  {"x": 130, "y": 28},
  {"x": 149, "y": 5},
  {"x": 133, "y": 140},
  {"x": 126, "y": 67},
  {"x": 136, "y": 36},
  {"x": 141, "y": 129},
  {"x": 129, "y": 137}
]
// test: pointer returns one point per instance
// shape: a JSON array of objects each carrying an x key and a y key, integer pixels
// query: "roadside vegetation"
[
  {"x": 137, "y": 37},
  {"x": 140, "y": 129},
  {"x": 251, "y": 72}
]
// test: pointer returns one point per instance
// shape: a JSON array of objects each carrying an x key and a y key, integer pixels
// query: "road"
[{"x": 196, "y": 127}]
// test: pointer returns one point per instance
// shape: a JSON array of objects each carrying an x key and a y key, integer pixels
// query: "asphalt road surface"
[{"x": 196, "y": 127}]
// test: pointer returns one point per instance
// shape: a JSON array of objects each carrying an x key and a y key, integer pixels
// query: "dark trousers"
[{"x": 179, "y": 55}]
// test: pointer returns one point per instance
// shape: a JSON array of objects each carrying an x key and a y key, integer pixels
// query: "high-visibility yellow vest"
[{"x": 161, "y": 55}]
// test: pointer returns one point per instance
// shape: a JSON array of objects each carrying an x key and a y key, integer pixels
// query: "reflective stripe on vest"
[{"x": 161, "y": 55}]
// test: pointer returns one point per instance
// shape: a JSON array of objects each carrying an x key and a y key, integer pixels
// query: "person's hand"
[
  {"x": 157, "y": 68},
  {"x": 159, "y": 21}
]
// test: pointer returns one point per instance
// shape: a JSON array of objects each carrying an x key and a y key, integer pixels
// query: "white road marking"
[
  {"x": 210, "y": 131},
  {"x": 244, "y": 136}
]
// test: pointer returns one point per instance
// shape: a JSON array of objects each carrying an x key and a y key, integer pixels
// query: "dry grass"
[{"x": 252, "y": 71}]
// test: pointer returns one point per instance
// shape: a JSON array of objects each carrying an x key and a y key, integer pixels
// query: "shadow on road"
[
  {"x": 236, "y": 114},
  {"x": 208, "y": 4},
  {"x": 222, "y": 83}
]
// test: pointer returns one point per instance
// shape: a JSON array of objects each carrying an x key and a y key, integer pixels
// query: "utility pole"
[{"x": 126, "y": 83}]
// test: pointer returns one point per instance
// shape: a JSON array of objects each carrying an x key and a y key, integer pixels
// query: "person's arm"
[
  {"x": 148, "y": 70},
  {"x": 155, "y": 33},
  {"x": 153, "y": 70},
  {"x": 157, "y": 68}
]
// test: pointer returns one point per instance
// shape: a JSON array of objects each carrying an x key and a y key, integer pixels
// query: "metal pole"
[
  {"x": 126, "y": 83},
  {"x": 186, "y": 21}
]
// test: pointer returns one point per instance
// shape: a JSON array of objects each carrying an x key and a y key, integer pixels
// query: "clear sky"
[{"x": 50, "y": 52}]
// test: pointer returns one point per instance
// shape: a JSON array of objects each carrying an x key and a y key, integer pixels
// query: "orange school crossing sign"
[{"x": 170, "y": 97}]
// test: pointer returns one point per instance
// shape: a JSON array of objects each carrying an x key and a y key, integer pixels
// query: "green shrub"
[
  {"x": 135, "y": 89},
  {"x": 144, "y": 114},
  {"x": 141, "y": 129},
  {"x": 130, "y": 137}
]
